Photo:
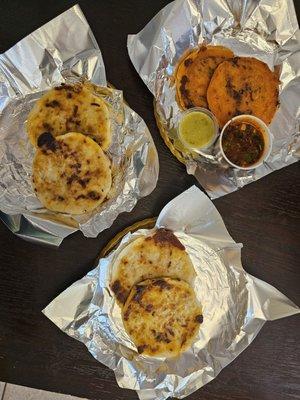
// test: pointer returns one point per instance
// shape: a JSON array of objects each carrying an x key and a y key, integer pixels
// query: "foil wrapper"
[
  {"x": 65, "y": 50},
  {"x": 262, "y": 29},
  {"x": 235, "y": 307}
]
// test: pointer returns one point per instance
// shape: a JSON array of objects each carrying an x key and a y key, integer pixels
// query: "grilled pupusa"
[
  {"x": 243, "y": 85},
  {"x": 160, "y": 254},
  {"x": 70, "y": 108},
  {"x": 194, "y": 73},
  {"x": 162, "y": 316},
  {"x": 71, "y": 173}
]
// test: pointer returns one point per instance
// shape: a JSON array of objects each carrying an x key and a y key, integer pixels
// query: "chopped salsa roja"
[{"x": 243, "y": 143}]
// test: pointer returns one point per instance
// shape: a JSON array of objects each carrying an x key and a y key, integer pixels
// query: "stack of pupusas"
[
  {"x": 152, "y": 281},
  {"x": 212, "y": 77},
  {"x": 70, "y": 128}
]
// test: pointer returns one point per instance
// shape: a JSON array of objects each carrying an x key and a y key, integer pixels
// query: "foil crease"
[
  {"x": 235, "y": 307},
  {"x": 65, "y": 50},
  {"x": 262, "y": 29}
]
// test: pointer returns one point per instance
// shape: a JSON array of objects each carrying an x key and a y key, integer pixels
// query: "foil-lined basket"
[
  {"x": 235, "y": 305},
  {"x": 65, "y": 51},
  {"x": 262, "y": 29}
]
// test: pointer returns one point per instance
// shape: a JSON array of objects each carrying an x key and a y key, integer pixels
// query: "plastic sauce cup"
[
  {"x": 197, "y": 129},
  {"x": 265, "y": 133}
]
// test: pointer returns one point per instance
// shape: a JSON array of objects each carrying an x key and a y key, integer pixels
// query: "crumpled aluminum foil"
[
  {"x": 65, "y": 50},
  {"x": 256, "y": 28},
  {"x": 235, "y": 307}
]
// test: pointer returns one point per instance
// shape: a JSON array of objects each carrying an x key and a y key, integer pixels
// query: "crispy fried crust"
[
  {"x": 194, "y": 72},
  {"x": 70, "y": 108},
  {"x": 161, "y": 254},
  {"x": 243, "y": 85},
  {"x": 162, "y": 316},
  {"x": 71, "y": 173}
]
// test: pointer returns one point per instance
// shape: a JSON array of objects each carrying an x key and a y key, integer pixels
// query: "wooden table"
[{"x": 264, "y": 216}]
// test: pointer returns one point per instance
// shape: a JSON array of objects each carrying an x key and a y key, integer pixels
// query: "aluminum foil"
[
  {"x": 235, "y": 307},
  {"x": 65, "y": 50},
  {"x": 262, "y": 29}
]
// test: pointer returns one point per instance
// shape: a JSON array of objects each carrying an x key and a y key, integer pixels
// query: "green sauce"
[{"x": 196, "y": 129}]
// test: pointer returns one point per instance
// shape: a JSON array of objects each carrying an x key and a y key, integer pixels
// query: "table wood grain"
[{"x": 264, "y": 216}]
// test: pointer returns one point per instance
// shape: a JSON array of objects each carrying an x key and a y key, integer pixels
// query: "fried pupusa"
[
  {"x": 162, "y": 316},
  {"x": 194, "y": 73},
  {"x": 160, "y": 254},
  {"x": 71, "y": 173},
  {"x": 70, "y": 108},
  {"x": 243, "y": 85}
]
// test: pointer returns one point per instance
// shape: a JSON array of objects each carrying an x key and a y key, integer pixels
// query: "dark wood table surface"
[{"x": 264, "y": 216}]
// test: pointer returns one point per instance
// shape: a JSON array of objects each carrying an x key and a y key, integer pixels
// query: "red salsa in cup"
[{"x": 243, "y": 143}]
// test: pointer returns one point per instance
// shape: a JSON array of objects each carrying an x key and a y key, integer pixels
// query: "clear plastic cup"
[{"x": 215, "y": 124}]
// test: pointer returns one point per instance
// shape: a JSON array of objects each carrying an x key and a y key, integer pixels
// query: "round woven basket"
[
  {"x": 113, "y": 243},
  {"x": 164, "y": 134}
]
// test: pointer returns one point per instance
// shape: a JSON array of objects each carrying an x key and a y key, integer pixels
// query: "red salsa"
[{"x": 243, "y": 143}]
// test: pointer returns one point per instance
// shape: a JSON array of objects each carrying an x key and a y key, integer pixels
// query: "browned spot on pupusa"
[
  {"x": 119, "y": 291},
  {"x": 74, "y": 88},
  {"x": 165, "y": 236},
  {"x": 46, "y": 141},
  {"x": 53, "y": 103},
  {"x": 162, "y": 337},
  {"x": 93, "y": 195},
  {"x": 188, "y": 62},
  {"x": 162, "y": 284},
  {"x": 139, "y": 293},
  {"x": 149, "y": 307},
  {"x": 141, "y": 349},
  {"x": 199, "y": 318},
  {"x": 185, "y": 92}
]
